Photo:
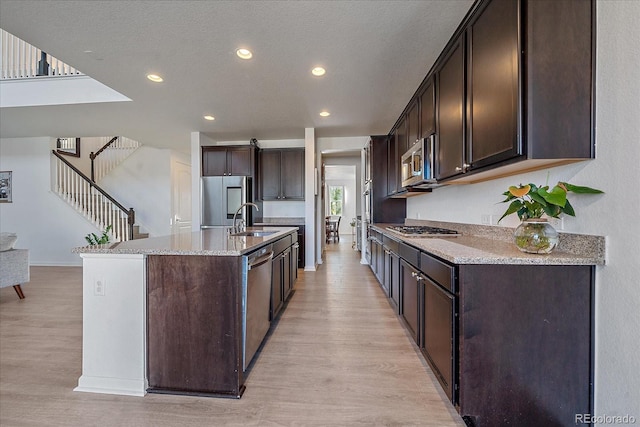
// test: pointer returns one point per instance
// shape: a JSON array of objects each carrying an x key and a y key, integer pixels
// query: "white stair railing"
[
  {"x": 114, "y": 151},
  {"x": 90, "y": 200},
  {"x": 20, "y": 60}
]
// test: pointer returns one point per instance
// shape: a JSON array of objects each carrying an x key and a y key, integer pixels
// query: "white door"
[{"x": 181, "y": 198}]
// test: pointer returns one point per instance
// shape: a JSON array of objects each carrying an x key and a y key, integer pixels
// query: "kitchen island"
[{"x": 180, "y": 314}]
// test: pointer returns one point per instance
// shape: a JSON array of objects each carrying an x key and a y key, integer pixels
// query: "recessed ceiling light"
[
  {"x": 154, "y": 78},
  {"x": 244, "y": 53},
  {"x": 318, "y": 71},
  {"x": 208, "y": 117},
  {"x": 325, "y": 113}
]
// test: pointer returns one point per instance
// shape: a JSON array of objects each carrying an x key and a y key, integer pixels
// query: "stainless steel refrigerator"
[{"x": 220, "y": 198}]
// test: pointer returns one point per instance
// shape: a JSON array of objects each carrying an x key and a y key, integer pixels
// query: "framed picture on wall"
[{"x": 5, "y": 187}]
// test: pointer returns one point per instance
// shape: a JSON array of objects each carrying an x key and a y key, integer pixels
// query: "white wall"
[
  {"x": 45, "y": 224},
  {"x": 614, "y": 214},
  {"x": 143, "y": 182}
]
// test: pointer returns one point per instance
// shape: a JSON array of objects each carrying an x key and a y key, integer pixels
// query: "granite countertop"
[
  {"x": 281, "y": 221},
  {"x": 493, "y": 245},
  {"x": 210, "y": 241}
]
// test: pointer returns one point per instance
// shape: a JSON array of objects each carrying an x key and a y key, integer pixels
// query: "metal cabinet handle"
[
  {"x": 414, "y": 274},
  {"x": 458, "y": 168}
]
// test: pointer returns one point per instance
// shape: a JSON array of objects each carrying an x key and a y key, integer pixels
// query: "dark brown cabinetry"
[
  {"x": 439, "y": 321},
  {"x": 284, "y": 272},
  {"x": 427, "y": 109},
  {"x": 383, "y": 208},
  {"x": 413, "y": 125},
  {"x": 282, "y": 174},
  {"x": 526, "y": 344},
  {"x": 393, "y": 172},
  {"x": 224, "y": 161},
  {"x": 493, "y": 101},
  {"x": 513, "y": 87},
  {"x": 509, "y": 344},
  {"x": 451, "y": 113},
  {"x": 377, "y": 257},
  {"x": 410, "y": 308},
  {"x": 391, "y": 277},
  {"x": 299, "y": 249},
  {"x": 200, "y": 353}
]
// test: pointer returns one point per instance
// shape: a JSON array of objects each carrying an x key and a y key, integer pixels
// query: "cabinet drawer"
[
  {"x": 391, "y": 244},
  {"x": 410, "y": 254},
  {"x": 444, "y": 274},
  {"x": 282, "y": 244}
]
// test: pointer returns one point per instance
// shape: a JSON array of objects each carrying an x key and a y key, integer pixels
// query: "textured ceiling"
[{"x": 375, "y": 52}]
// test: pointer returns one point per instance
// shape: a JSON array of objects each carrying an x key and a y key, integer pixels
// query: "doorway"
[{"x": 341, "y": 197}]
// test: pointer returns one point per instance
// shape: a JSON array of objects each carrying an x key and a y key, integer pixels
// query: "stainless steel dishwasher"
[{"x": 256, "y": 299}]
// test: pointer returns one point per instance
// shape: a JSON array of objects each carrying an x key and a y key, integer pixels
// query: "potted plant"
[
  {"x": 530, "y": 202},
  {"x": 93, "y": 239}
]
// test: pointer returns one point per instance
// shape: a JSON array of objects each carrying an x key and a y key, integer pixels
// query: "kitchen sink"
[{"x": 255, "y": 233}]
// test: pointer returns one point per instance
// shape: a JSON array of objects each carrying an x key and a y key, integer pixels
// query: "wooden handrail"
[
  {"x": 93, "y": 156},
  {"x": 104, "y": 147},
  {"x": 129, "y": 212}
]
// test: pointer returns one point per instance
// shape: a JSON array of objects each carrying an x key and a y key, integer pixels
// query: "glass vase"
[{"x": 536, "y": 236}]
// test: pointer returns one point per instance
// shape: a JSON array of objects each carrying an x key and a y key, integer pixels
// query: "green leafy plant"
[
  {"x": 93, "y": 240},
  {"x": 531, "y": 201}
]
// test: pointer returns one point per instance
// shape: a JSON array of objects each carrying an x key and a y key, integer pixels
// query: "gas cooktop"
[{"x": 422, "y": 231}]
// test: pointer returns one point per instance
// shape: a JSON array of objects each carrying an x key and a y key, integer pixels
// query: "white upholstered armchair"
[{"x": 14, "y": 265}]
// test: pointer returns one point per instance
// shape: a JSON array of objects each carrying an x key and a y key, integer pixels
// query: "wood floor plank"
[{"x": 338, "y": 356}]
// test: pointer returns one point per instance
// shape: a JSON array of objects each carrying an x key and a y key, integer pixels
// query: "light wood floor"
[{"x": 338, "y": 356}]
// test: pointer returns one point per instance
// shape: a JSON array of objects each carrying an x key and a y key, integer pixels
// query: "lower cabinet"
[
  {"x": 439, "y": 328},
  {"x": 391, "y": 278},
  {"x": 410, "y": 304},
  {"x": 509, "y": 344},
  {"x": 284, "y": 272}
]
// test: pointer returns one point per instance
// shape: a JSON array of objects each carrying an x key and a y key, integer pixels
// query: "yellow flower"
[{"x": 519, "y": 191}]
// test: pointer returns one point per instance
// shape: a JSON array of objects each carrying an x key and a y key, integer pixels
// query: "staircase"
[{"x": 89, "y": 199}]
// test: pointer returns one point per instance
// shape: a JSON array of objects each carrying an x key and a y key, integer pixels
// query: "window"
[{"x": 336, "y": 200}]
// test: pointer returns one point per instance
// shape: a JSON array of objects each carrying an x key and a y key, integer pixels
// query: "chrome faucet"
[{"x": 240, "y": 228}]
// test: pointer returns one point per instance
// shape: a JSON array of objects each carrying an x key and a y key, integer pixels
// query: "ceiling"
[{"x": 376, "y": 53}]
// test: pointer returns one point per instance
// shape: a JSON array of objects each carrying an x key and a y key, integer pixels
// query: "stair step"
[{"x": 137, "y": 234}]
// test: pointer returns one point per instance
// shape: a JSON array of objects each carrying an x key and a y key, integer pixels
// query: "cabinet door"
[
  {"x": 386, "y": 270},
  {"x": 450, "y": 141},
  {"x": 410, "y": 301},
  {"x": 292, "y": 174},
  {"x": 239, "y": 161},
  {"x": 394, "y": 274},
  {"x": 286, "y": 274},
  {"x": 493, "y": 101},
  {"x": 393, "y": 160},
  {"x": 270, "y": 174},
  {"x": 439, "y": 326},
  {"x": 401, "y": 138},
  {"x": 276, "y": 286},
  {"x": 427, "y": 110},
  {"x": 413, "y": 124},
  {"x": 214, "y": 161}
]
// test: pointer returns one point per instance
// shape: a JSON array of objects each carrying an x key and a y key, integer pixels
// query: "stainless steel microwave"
[{"x": 417, "y": 164}]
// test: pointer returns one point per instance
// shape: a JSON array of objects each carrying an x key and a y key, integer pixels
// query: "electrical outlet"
[
  {"x": 485, "y": 219},
  {"x": 99, "y": 287}
]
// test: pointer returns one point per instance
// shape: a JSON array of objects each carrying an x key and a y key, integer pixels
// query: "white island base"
[{"x": 114, "y": 324}]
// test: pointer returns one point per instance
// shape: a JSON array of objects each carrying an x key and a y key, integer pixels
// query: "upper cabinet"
[
  {"x": 451, "y": 113},
  {"x": 512, "y": 91},
  {"x": 228, "y": 160},
  {"x": 282, "y": 174},
  {"x": 426, "y": 95},
  {"x": 413, "y": 126},
  {"x": 493, "y": 95}
]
